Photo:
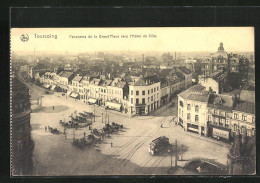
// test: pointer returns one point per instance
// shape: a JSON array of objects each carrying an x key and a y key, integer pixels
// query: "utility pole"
[
  {"x": 171, "y": 155},
  {"x": 94, "y": 114},
  {"x": 176, "y": 154}
]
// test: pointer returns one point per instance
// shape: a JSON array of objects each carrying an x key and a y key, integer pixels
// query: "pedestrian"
[
  {"x": 45, "y": 128},
  {"x": 52, "y": 107},
  {"x": 84, "y": 134},
  {"x": 161, "y": 126},
  {"x": 111, "y": 144}
]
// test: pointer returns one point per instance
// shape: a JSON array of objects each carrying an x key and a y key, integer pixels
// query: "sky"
[{"x": 167, "y": 39}]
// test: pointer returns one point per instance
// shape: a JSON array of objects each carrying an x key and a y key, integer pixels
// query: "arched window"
[
  {"x": 196, "y": 118},
  {"x": 188, "y": 116},
  {"x": 181, "y": 103},
  {"x": 196, "y": 108},
  {"x": 188, "y": 107}
]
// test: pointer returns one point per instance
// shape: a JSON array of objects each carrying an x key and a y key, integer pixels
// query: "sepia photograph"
[{"x": 132, "y": 101}]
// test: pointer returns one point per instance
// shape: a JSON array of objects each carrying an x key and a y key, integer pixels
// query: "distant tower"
[
  {"x": 21, "y": 143},
  {"x": 221, "y": 48}
]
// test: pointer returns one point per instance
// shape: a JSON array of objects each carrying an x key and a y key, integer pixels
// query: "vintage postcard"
[{"x": 132, "y": 101}]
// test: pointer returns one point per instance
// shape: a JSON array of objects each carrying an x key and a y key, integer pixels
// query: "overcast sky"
[{"x": 167, "y": 39}]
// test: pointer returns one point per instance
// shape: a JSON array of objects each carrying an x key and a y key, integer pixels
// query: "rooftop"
[
  {"x": 77, "y": 78},
  {"x": 221, "y": 101},
  {"x": 66, "y": 74},
  {"x": 245, "y": 106},
  {"x": 196, "y": 93}
]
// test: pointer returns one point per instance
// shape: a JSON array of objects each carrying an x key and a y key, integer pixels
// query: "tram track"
[{"x": 129, "y": 154}]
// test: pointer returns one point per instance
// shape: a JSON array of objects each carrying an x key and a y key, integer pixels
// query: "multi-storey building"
[
  {"x": 220, "y": 115},
  {"x": 244, "y": 117},
  {"x": 76, "y": 87},
  {"x": 64, "y": 80},
  {"x": 192, "y": 109},
  {"x": 215, "y": 115},
  {"x": 144, "y": 95},
  {"x": 94, "y": 90}
]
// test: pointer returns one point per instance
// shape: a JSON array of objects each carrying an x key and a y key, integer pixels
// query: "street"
[{"x": 129, "y": 154}]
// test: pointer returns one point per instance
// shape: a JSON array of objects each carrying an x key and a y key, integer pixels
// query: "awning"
[
  {"x": 193, "y": 129},
  {"x": 92, "y": 100},
  {"x": 113, "y": 105},
  {"x": 53, "y": 87},
  {"x": 220, "y": 133},
  {"x": 74, "y": 95}
]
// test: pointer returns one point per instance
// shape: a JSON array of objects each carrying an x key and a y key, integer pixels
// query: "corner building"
[
  {"x": 144, "y": 95},
  {"x": 192, "y": 109}
]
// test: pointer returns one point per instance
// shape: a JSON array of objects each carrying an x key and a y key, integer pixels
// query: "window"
[
  {"x": 131, "y": 100},
  {"x": 188, "y": 116},
  {"x": 143, "y": 92},
  {"x": 196, "y": 118},
  {"x": 243, "y": 129},
  {"x": 137, "y": 101},
  {"x": 151, "y": 98},
  {"x": 209, "y": 118},
  {"x": 157, "y": 95},
  {"x": 244, "y": 117},
  {"x": 235, "y": 115},
  {"x": 227, "y": 123},
  {"x": 181, "y": 103},
  {"x": 221, "y": 121},
  {"x": 235, "y": 127},
  {"x": 137, "y": 93},
  {"x": 148, "y": 99},
  {"x": 132, "y": 92},
  {"x": 148, "y": 92},
  {"x": 196, "y": 108},
  {"x": 152, "y": 90},
  {"x": 188, "y": 107},
  {"x": 157, "y": 88},
  {"x": 143, "y": 100}
]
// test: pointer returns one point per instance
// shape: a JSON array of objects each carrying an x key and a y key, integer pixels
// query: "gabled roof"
[{"x": 245, "y": 106}]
